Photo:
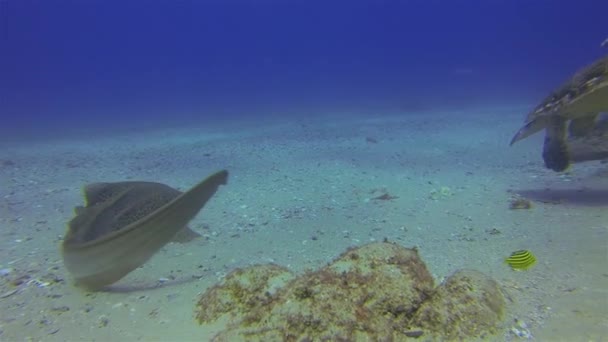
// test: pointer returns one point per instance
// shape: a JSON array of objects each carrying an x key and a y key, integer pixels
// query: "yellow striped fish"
[{"x": 521, "y": 260}]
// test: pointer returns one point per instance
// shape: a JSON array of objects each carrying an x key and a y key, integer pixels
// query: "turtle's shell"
[{"x": 575, "y": 89}]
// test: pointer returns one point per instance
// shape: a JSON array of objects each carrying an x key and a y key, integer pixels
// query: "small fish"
[{"x": 521, "y": 260}]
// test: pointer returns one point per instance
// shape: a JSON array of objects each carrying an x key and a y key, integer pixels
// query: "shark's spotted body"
[{"x": 124, "y": 224}]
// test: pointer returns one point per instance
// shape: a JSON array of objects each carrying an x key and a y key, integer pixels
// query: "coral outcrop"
[
  {"x": 377, "y": 292},
  {"x": 468, "y": 304}
]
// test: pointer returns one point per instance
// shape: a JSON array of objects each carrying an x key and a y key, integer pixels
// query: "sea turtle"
[
  {"x": 124, "y": 224},
  {"x": 579, "y": 101}
]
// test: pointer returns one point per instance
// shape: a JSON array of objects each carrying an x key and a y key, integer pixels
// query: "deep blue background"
[{"x": 122, "y": 63}]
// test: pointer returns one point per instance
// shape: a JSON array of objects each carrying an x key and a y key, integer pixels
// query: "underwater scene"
[{"x": 266, "y": 170}]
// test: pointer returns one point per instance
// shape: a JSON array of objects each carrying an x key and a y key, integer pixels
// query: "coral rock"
[
  {"x": 243, "y": 291},
  {"x": 468, "y": 304},
  {"x": 370, "y": 293}
]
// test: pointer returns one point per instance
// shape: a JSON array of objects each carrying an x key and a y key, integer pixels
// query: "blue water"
[
  {"x": 68, "y": 65},
  {"x": 384, "y": 120}
]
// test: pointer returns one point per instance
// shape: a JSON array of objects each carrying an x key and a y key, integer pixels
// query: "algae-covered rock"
[
  {"x": 243, "y": 292},
  {"x": 468, "y": 304},
  {"x": 371, "y": 293},
  {"x": 357, "y": 297}
]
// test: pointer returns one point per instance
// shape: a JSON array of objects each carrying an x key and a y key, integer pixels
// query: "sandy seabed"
[{"x": 300, "y": 193}]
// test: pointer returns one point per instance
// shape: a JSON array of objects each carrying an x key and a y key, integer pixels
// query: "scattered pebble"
[
  {"x": 520, "y": 329},
  {"x": 103, "y": 321},
  {"x": 60, "y": 309},
  {"x": 38, "y": 283},
  {"x": 517, "y": 203}
]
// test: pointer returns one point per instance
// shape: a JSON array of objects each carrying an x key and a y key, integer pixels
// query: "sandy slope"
[{"x": 300, "y": 193}]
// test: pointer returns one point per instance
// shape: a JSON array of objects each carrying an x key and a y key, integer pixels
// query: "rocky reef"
[{"x": 377, "y": 292}]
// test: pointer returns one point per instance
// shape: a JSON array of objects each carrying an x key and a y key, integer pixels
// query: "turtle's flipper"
[
  {"x": 593, "y": 146},
  {"x": 582, "y": 126},
  {"x": 529, "y": 128},
  {"x": 555, "y": 149}
]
